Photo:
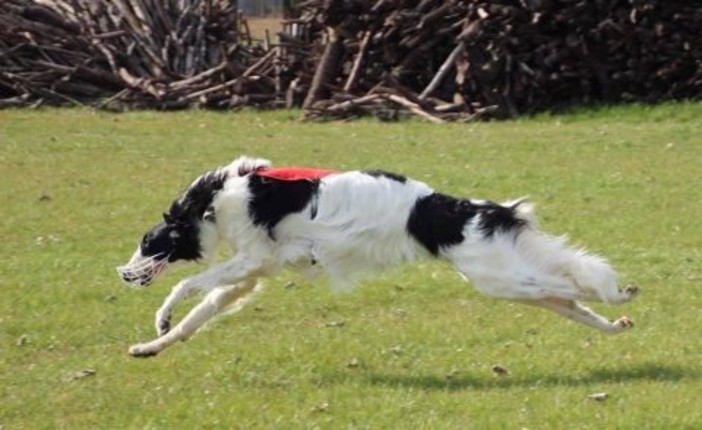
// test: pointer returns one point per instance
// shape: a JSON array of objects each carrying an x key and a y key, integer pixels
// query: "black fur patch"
[
  {"x": 437, "y": 220},
  {"x": 272, "y": 200},
  {"x": 178, "y": 236},
  {"x": 193, "y": 204},
  {"x": 178, "y": 241},
  {"x": 497, "y": 218},
  {"x": 381, "y": 173}
]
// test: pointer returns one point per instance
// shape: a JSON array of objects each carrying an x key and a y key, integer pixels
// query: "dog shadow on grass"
[{"x": 457, "y": 382}]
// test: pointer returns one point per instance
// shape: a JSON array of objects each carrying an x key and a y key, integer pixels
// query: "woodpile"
[
  {"x": 164, "y": 54},
  {"x": 458, "y": 60},
  {"x": 441, "y": 60}
]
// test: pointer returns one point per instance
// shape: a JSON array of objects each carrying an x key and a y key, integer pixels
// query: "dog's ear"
[
  {"x": 209, "y": 214},
  {"x": 244, "y": 165}
]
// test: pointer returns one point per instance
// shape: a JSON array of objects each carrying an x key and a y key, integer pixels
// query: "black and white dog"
[{"x": 349, "y": 224}]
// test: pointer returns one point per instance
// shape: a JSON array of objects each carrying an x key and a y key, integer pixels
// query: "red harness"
[{"x": 292, "y": 174}]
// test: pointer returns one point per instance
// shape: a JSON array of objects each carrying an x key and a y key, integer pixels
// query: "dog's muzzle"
[
  {"x": 133, "y": 279},
  {"x": 142, "y": 271}
]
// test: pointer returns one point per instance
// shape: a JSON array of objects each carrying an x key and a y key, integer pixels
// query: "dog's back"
[{"x": 357, "y": 224}]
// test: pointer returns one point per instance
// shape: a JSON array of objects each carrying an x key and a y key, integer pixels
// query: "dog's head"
[
  {"x": 185, "y": 235},
  {"x": 164, "y": 244}
]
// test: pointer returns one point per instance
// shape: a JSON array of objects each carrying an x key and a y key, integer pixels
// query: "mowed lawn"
[{"x": 413, "y": 349}]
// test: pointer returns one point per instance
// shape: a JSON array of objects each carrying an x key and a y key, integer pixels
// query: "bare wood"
[
  {"x": 348, "y": 104},
  {"x": 353, "y": 76},
  {"x": 200, "y": 76},
  {"x": 177, "y": 48},
  {"x": 414, "y": 108},
  {"x": 141, "y": 83},
  {"x": 443, "y": 70},
  {"x": 212, "y": 89},
  {"x": 326, "y": 70},
  {"x": 263, "y": 60}
]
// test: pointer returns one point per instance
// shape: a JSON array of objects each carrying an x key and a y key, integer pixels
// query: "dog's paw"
[
  {"x": 163, "y": 324},
  {"x": 626, "y": 294},
  {"x": 623, "y": 323},
  {"x": 142, "y": 350},
  {"x": 632, "y": 291}
]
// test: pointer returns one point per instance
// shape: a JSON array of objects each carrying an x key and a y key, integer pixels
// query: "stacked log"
[
  {"x": 130, "y": 54},
  {"x": 441, "y": 60},
  {"x": 462, "y": 59}
]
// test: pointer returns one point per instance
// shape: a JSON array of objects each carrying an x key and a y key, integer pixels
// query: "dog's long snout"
[
  {"x": 134, "y": 279},
  {"x": 131, "y": 278},
  {"x": 142, "y": 271},
  {"x": 128, "y": 277}
]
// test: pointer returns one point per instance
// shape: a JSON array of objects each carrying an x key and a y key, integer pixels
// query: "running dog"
[{"x": 349, "y": 224}]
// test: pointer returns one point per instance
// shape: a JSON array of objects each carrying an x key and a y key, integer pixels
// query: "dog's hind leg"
[
  {"x": 210, "y": 306},
  {"x": 584, "y": 315}
]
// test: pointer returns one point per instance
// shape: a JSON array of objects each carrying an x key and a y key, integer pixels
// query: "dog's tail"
[
  {"x": 589, "y": 274},
  {"x": 595, "y": 275}
]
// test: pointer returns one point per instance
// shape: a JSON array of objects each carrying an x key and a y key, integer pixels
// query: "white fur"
[{"x": 359, "y": 228}]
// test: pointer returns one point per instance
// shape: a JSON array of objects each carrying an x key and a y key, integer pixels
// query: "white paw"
[
  {"x": 627, "y": 294},
  {"x": 623, "y": 323},
  {"x": 163, "y": 324},
  {"x": 142, "y": 350}
]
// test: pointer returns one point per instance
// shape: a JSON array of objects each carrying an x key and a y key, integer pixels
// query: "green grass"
[{"x": 411, "y": 350}]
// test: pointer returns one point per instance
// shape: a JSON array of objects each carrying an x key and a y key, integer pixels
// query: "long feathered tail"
[{"x": 590, "y": 274}]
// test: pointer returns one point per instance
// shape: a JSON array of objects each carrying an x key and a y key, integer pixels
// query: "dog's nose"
[
  {"x": 129, "y": 278},
  {"x": 132, "y": 278}
]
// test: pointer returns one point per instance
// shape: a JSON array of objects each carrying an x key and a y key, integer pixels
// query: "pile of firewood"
[
  {"x": 461, "y": 59},
  {"x": 437, "y": 59},
  {"x": 129, "y": 54}
]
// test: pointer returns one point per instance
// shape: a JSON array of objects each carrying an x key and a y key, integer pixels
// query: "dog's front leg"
[
  {"x": 240, "y": 273},
  {"x": 180, "y": 292},
  {"x": 210, "y": 306},
  {"x": 215, "y": 276}
]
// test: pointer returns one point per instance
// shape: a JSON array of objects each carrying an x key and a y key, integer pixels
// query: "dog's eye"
[{"x": 145, "y": 239}]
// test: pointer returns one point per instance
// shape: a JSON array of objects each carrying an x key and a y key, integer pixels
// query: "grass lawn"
[{"x": 413, "y": 349}]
